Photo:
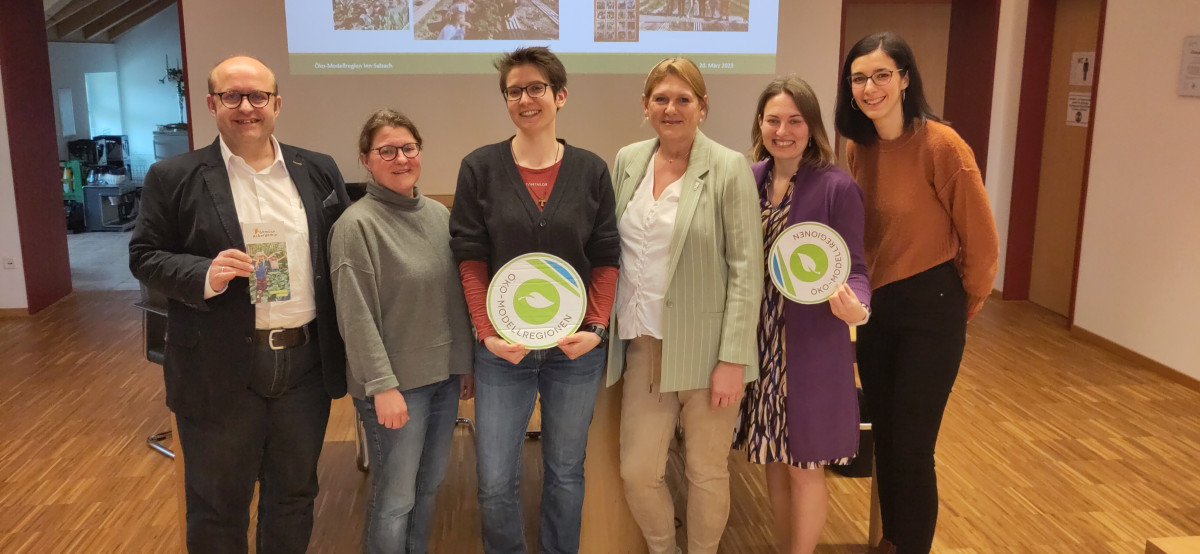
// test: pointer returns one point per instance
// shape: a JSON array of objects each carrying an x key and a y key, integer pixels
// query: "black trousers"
[
  {"x": 273, "y": 437},
  {"x": 908, "y": 358}
]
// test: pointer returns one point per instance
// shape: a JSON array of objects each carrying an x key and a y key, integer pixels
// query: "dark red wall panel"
[
  {"x": 970, "y": 72},
  {"x": 1027, "y": 162},
  {"x": 29, "y": 107}
]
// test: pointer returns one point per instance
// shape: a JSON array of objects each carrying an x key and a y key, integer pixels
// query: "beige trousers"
[{"x": 648, "y": 420}]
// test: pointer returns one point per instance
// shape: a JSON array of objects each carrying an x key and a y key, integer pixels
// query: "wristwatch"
[{"x": 600, "y": 330}]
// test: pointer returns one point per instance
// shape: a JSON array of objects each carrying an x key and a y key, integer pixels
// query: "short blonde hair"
[{"x": 680, "y": 67}]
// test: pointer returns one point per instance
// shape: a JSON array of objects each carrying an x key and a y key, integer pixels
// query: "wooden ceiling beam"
[
  {"x": 143, "y": 14},
  {"x": 54, "y": 16},
  {"x": 88, "y": 14},
  {"x": 117, "y": 15}
]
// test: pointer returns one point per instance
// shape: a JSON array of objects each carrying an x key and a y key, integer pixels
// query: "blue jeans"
[
  {"x": 407, "y": 465},
  {"x": 504, "y": 398}
]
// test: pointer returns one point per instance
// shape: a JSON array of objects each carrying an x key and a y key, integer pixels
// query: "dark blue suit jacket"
[{"x": 187, "y": 217}]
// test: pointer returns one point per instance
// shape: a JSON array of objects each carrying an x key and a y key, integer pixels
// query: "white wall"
[
  {"x": 1139, "y": 268},
  {"x": 69, "y": 61},
  {"x": 458, "y": 113},
  {"x": 1006, "y": 104},
  {"x": 146, "y": 103},
  {"x": 12, "y": 282}
]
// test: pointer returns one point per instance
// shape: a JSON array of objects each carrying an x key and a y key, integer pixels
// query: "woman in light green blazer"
[{"x": 686, "y": 312}]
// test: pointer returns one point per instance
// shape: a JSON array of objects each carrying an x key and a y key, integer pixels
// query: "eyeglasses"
[
  {"x": 881, "y": 78},
  {"x": 232, "y": 99},
  {"x": 534, "y": 90},
  {"x": 388, "y": 152}
]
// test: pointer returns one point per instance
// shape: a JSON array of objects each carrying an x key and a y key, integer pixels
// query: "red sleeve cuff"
[
  {"x": 601, "y": 292},
  {"x": 475, "y": 283}
]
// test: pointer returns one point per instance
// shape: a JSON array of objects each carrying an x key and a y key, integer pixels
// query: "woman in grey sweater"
[{"x": 408, "y": 334}]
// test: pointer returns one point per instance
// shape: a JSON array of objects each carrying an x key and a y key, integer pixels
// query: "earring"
[
  {"x": 902, "y": 91},
  {"x": 854, "y": 105}
]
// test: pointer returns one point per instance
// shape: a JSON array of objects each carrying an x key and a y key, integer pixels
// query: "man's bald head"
[{"x": 224, "y": 65}]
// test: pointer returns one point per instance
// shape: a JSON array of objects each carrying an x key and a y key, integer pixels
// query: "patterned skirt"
[{"x": 762, "y": 425}]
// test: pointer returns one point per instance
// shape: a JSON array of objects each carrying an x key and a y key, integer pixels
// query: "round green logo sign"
[
  {"x": 808, "y": 261},
  {"x": 535, "y": 299}
]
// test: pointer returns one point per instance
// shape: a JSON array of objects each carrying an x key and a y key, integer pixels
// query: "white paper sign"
[
  {"x": 1189, "y": 68},
  {"x": 1079, "y": 108},
  {"x": 1083, "y": 65}
]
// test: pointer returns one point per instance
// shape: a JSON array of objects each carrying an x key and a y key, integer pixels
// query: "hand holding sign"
[
  {"x": 846, "y": 305},
  {"x": 508, "y": 351}
]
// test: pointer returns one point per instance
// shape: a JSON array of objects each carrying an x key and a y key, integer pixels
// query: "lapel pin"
[{"x": 296, "y": 162}]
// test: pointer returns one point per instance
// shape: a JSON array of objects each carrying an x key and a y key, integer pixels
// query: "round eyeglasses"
[
  {"x": 389, "y": 152},
  {"x": 881, "y": 78},
  {"x": 534, "y": 90},
  {"x": 232, "y": 99}
]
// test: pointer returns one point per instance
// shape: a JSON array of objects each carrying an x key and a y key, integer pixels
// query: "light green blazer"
[{"x": 714, "y": 267}]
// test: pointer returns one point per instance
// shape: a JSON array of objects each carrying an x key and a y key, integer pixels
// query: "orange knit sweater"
[{"x": 925, "y": 204}]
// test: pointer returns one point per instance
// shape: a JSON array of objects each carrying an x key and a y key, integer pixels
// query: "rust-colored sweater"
[{"x": 925, "y": 204}]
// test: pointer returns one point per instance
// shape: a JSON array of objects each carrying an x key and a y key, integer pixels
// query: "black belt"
[{"x": 278, "y": 339}]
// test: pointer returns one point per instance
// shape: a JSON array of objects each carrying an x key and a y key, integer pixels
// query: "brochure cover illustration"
[{"x": 267, "y": 247}]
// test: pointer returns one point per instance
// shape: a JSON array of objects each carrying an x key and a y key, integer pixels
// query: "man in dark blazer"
[{"x": 250, "y": 384}]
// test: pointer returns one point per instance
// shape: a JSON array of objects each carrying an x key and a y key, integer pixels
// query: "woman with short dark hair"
[
  {"x": 534, "y": 193},
  {"x": 932, "y": 251}
]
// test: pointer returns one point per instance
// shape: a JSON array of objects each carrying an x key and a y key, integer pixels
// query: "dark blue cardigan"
[{"x": 494, "y": 219}]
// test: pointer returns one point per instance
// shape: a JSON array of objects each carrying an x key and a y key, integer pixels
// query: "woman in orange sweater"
[{"x": 931, "y": 250}]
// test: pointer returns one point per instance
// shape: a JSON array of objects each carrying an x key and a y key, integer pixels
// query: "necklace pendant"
[{"x": 541, "y": 204}]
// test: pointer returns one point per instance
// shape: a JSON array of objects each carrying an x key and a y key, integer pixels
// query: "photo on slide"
[
  {"x": 486, "y": 19},
  {"x": 616, "y": 21},
  {"x": 370, "y": 15},
  {"x": 695, "y": 15}
]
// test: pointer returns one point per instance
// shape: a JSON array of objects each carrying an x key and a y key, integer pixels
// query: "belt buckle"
[{"x": 271, "y": 339}]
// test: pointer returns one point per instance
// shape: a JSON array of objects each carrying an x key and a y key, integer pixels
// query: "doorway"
[{"x": 1060, "y": 76}]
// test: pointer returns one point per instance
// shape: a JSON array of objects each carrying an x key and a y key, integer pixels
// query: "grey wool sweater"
[{"x": 399, "y": 298}]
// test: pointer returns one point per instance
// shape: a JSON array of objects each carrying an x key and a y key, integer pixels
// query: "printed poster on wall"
[
  {"x": 1189, "y": 68},
  {"x": 1079, "y": 108}
]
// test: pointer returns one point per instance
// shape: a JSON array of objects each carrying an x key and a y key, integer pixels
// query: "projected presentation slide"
[{"x": 591, "y": 36}]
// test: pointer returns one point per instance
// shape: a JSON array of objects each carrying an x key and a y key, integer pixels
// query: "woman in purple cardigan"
[{"x": 802, "y": 413}]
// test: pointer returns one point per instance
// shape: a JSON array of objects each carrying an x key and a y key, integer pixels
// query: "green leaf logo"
[
  {"x": 536, "y": 301},
  {"x": 808, "y": 262}
]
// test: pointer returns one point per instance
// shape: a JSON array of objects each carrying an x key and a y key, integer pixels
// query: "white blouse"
[{"x": 645, "y": 229}]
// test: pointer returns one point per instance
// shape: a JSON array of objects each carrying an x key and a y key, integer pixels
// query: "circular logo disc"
[
  {"x": 535, "y": 299},
  {"x": 808, "y": 261}
]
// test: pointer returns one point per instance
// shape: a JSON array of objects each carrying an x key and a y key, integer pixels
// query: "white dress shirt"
[
  {"x": 645, "y": 229},
  {"x": 270, "y": 196}
]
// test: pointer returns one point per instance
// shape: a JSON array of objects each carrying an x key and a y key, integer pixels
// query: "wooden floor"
[{"x": 1049, "y": 445}]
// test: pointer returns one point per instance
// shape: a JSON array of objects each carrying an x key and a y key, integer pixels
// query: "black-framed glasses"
[
  {"x": 534, "y": 90},
  {"x": 389, "y": 152},
  {"x": 881, "y": 78},
  {"x": 232, "y": 99}
]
